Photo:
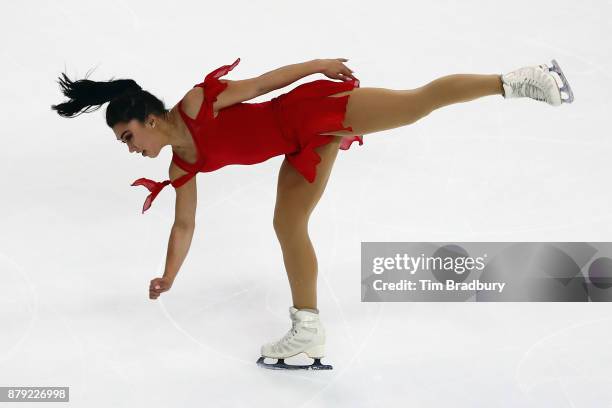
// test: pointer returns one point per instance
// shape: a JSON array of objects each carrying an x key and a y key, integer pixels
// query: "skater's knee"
[
  {"x": 290, "y": 224},
  {"x": 431, "y": 96},
  {"x": 418, "y": 103}
]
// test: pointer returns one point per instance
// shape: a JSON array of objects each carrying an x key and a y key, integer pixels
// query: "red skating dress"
[{"x": 250, "y": 133}]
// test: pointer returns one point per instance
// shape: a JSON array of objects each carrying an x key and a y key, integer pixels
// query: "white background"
[{"x": 77, "y": 255}]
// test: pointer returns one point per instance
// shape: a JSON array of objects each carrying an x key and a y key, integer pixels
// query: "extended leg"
[{"x": 372, "y": 110}]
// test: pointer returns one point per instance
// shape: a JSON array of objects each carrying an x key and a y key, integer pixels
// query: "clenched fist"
[{"x": 158, "y": 286}]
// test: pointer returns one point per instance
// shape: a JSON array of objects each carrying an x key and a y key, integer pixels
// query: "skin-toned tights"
[{"x": 368, "y": 110}]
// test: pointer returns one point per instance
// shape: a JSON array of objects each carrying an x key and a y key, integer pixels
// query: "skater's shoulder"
[{"x": 191, "y": 103}]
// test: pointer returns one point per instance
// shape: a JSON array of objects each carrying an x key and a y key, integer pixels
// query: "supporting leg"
[
  {"x": 300, "y": 262},
  {"x": 295, "y": 200}
]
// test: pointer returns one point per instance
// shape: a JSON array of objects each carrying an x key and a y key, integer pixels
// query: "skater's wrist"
[
  {"x": 169, "y": 277},
  {"x": 318, "y": 65}
]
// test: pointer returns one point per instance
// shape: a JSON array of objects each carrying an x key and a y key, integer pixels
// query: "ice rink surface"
[{"x": 77, "y": 255}]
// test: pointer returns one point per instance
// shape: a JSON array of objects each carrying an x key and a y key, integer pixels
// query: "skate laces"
[
  {"x": 289, "y": 335},
  {"x": 293, "y": 331},
  {"x": 529, "y": 87},
  {"x": 533, "y": 91}
]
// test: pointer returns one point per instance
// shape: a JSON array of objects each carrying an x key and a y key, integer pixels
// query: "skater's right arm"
[{"x": 184, "y": 223}]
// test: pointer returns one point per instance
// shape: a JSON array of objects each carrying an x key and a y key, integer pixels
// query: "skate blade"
[
  {"x": 281, "y": 365},
  {"x": 566, "y": 86}
]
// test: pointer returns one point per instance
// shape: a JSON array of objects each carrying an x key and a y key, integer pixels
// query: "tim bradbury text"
[{"x": 429, "y": 285}]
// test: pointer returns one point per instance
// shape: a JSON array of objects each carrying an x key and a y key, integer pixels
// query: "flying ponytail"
[{"x": 127, "y": 99}]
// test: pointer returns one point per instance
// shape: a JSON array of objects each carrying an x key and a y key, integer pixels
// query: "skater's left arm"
[
  {"x": 283, "y": 76},
  {"x": 246, "y": 89}
]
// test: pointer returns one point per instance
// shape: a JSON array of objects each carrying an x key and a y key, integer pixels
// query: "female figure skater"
[{"x": 212, "y": 127}]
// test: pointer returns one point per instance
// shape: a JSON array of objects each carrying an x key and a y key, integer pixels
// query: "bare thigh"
[
  {"x": 371, "y": 110},
  {"x": 296, "y": 198}
]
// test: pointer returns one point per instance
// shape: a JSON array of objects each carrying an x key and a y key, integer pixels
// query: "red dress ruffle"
[
  {"x": 306, "y": 112},
  {"x": 250, "y": 133}
]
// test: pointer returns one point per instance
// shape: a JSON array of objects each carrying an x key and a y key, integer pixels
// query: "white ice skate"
[
  {"x": 307, "y": 335},
  {"x": 538, "y": 82}
]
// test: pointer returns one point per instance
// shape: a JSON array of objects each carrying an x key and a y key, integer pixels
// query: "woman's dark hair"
[{"x": 127, "y": 100}]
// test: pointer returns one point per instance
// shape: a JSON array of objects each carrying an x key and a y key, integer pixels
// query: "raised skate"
[{"x": 537, "y": 82}]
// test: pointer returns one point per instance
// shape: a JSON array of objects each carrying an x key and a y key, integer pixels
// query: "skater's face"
[{"x": 140, "y": 138}]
